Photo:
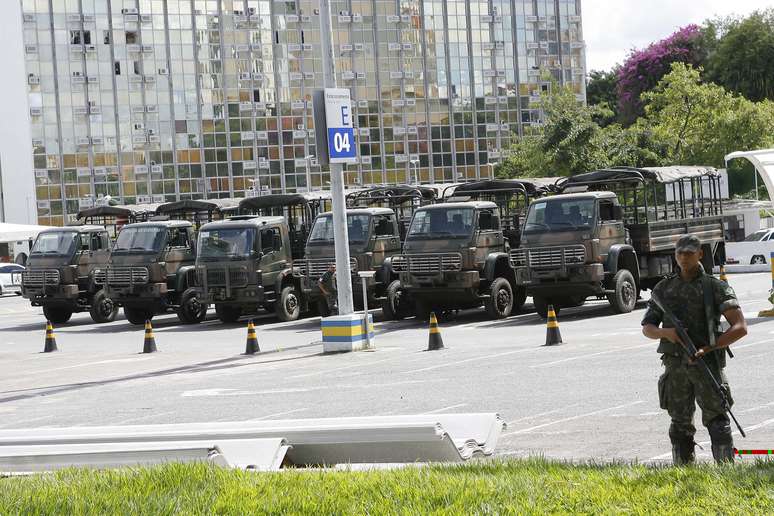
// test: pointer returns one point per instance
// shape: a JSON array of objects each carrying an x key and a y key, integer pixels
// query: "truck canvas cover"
[{"x": 626, "y": 174}]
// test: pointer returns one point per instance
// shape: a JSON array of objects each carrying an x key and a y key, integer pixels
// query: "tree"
[
  {"x": 601, "y": 92},
  {"x": 699, "y": 123},
  {"x": 743, "y": 58},
  {"x": 644, "y": 68}
]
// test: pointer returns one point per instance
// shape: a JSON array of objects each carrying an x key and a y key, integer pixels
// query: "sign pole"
[{"x": 340, "y": 234}]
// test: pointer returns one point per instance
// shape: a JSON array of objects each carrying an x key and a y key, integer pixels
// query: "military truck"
[
  {"x": 63, "y": 273},
  {"x": 402, "y": 199},
  {"x": 374, "y": 238},
  {"x": 245, "y": 264},
  {"x": 611, "y": 233},
  {"x": 456, "y": 256},
  {"x": 151, "y": 271},
  {"x": 113, "y": 218}
]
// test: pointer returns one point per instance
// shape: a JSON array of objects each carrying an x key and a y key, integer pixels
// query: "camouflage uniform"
[
  {"x": 327, "y": 280},
  {"x": 682, "y": 383}
]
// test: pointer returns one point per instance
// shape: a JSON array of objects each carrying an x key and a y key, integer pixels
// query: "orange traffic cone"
[
  {"x": 149, "y": 346},
  {"x": 50, "y": 344},
  {"x": 252, "y": 341},
  {"x": 435, "y": 341},
  {"x": 723, "y": 274},
  {"x": 553, "y": 336}
]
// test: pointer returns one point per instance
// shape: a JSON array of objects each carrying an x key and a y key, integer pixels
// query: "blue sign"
[{"x": 342, "y": 147}]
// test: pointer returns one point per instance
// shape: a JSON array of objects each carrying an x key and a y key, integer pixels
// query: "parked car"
[
  {"x": 755, "y": 249},
  {"x": 10, "y": 278}
]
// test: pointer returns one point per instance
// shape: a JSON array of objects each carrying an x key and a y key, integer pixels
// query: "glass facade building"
[{"x": 159, "y": 100}]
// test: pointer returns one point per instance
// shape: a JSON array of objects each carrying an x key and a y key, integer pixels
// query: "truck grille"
[
  {"x": 40, "y": 277},
  {"x": 127, "y": 275},
  {"x": 317, "y": 267},
  {"x": 546, "y": 257},
  {"x": 216, "y": 276},
  {"x": 100, "y": 276},
  {"x": 427, "y": 263}
]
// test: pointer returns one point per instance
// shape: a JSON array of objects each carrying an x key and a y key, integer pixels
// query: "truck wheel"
[
  {"x": 541, "y": 306},
  {"x": 191, "y": 310},
  {"x": 322, "y": 307},
  {"x": 136, "y": 315},
  {"x": 396, "y": 306},
  {"x": 288, "y": 305},
  {"x": 102, "y": 308},
  {"x": 625, "y": 292},
  {"x": 500, "y": 301},
  {"x": 228, "y": 313},
  {"x": 422, "y": 309},
  {"x": 57, "y": 314},
  {"x": 758, "y": 260}
]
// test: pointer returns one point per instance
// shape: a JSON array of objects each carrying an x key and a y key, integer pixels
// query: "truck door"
[
  {"x": 100, "y": 247},
  {"x": 489, "y": 238},
  {"x": 611, "y": 228},
  {"x": 179, "y": 252},
  {"x": 83, "y": 257},
  {"x": 275, "y": 250},
  {"x": 386, "y": 240}
]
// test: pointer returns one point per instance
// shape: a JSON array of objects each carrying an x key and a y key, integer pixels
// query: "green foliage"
[
  {"x": 531, "y": 486},
  {"x": 742, "y": 59},
  {"x": 601, "y": 92}
]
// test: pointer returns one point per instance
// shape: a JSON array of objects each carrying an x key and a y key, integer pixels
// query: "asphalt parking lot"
[{"x": 593, "y": 397}]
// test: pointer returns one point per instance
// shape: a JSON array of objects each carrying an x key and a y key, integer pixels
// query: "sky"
[{"x": 613, "y": 27}]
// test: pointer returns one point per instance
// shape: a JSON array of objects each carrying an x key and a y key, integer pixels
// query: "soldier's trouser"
[{"x": 681, "y": 387}]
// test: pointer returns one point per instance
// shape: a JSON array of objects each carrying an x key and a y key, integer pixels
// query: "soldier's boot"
[
  {"x": 683, "y": 451},
  {"x": 722, "y": 439}
]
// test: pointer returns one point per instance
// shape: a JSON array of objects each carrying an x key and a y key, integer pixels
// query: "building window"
[
  {"x": 117, "y": 67},
  {"x": 131, "y": 37},
  {"x": 75, "y": 37},
  {"x": 106, "y": 37}
]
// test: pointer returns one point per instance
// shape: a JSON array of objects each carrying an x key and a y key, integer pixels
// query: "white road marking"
[
  {"x": 236, "y": 392},
  {"x": 25, "y": 421},
  {"x": 446, "y": 408},
  {"x": 329, "y": 371},
  {"x": 485, "y": 357},
  {"x": 509, "y": 423},
  {"x": 759, "y": 407},
  {"x": 86, "y": 364},
  {"x": 588, "y": 355},
  {"x": 572, "y": 418},
  {"x": 614, "y": 334},
  {"x": 268, "y": 416}
]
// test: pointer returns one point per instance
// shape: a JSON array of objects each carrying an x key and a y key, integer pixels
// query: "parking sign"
[{"x": 342, "y": 147}]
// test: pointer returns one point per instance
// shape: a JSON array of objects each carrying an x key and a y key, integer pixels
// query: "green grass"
[{"x": 520, "y": 486}]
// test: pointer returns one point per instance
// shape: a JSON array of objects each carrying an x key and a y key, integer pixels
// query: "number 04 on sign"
[{"x": 340, "y": 133}]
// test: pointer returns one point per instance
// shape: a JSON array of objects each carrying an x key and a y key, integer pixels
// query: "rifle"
[{"x": 690, "y": 348}]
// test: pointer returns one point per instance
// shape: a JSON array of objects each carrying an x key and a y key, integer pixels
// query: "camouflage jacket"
[{"x": 686, "y": 301}]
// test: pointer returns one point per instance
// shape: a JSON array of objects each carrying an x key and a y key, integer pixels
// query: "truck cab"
[
  {"x": 64, "y": 270},
  {"x": 151, "y": 271},
  {"x": 456, "y": 256},
  {"x": 374, "y": 237},
  {"x": 245, "y": 264}
]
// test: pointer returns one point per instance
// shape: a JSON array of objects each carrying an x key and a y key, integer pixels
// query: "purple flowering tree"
[{"x": 644, "y": 68}]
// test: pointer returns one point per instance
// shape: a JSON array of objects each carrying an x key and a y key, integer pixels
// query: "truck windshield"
[
  {"x": 56, "y": 243},
  {"x": 560, "y": 214},
  {"x": 358, "y": 227},
  {"x": 147, "y": 239},
  {"x": 226, "y": 243},
  {"x": 442, "y": 223}
]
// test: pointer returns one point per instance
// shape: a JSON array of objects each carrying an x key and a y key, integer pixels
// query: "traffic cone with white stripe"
[
  {"x": 723, "y": 274},
  {"x": 149, "y": 346},
  {"x": 553, "y": 336},
  {"x": 435, "y": 341},
  {"x": 50, "y": 344},
  {"x": 251, "y": 347}
]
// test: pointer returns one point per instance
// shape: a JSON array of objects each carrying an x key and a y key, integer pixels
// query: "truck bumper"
[
  {"x": 570, "y": 280},
  {"x": 134, "y": 293},
  {"x": 60, "y": 294},
  {"x": 250, "y": 294},
  {"x": 448, "y": 287}
]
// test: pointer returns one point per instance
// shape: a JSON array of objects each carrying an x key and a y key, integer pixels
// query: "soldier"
[
  {"x": 328, "y": 289},
  {"x": 697, "y": 299}
]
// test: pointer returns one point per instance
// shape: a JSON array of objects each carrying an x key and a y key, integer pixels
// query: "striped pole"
[
  {"x": 753, "y": 452},
  {"x": 553, "y": 335},
  {"x": 435, "y": 341},
  {"x": 149, "y": 346},
  {"x": 252, "y": 341},
  {"x": 50, "y": 344}
]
